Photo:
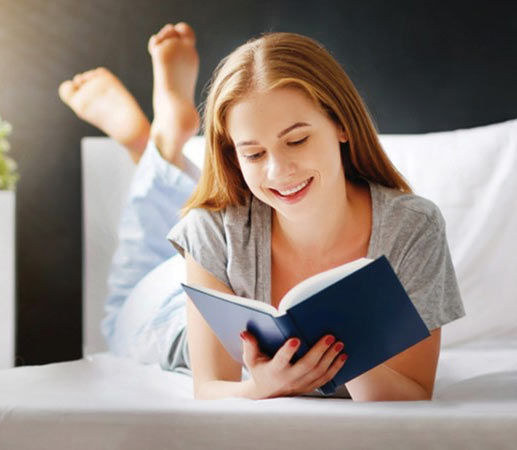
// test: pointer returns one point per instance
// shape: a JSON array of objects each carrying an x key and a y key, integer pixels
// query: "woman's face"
[{"x": 288, "y": 150}]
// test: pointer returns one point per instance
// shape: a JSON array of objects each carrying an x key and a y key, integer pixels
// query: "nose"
[{"x": 280, "y": 166}]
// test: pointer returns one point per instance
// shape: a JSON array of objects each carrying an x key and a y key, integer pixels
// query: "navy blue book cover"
[{"x": 368, "y": 310}]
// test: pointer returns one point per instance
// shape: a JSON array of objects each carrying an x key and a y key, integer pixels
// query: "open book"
[{"x": 361, "y": 303}]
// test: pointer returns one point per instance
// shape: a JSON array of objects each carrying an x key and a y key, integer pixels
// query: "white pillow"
[{"x": 471, "y": 174}]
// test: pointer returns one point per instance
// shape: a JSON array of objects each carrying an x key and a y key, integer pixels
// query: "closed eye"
[
  {"x": 301, "y": 141},
  {"x": 254, "y": 156}
]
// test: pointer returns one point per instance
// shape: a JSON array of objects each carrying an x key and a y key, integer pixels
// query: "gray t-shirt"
[{"x": 235, "y": 246}]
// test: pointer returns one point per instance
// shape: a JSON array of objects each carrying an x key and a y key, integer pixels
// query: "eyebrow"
[{"x": 282, "y": 133}]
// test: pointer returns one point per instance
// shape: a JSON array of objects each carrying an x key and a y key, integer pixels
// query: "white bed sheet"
[{"x": 103, "y": 401}]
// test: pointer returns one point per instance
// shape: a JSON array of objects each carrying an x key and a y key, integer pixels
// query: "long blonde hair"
[{"x": 275, "y": 60}]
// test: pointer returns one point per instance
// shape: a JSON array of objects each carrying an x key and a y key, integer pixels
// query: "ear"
[{"x": 342, "y": 134}]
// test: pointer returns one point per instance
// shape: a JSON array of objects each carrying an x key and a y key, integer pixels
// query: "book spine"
[{"x": 328, "y": 388}]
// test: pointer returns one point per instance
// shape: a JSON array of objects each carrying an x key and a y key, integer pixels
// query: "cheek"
[
  {"x": 330, "y": 161},
  {"x": 251, "y": 175}
]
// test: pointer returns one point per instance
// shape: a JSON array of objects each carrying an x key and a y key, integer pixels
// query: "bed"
[{"x": 106, "y": 402}]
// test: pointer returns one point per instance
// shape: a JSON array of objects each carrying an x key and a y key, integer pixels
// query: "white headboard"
[
  {"x": 469, "y": 174},
  {"x": 107, "y": 170}
]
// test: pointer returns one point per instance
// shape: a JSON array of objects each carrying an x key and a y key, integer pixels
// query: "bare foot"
[
  {"x": 175, "y": 70},
  {"x": 99, "y": 97}
]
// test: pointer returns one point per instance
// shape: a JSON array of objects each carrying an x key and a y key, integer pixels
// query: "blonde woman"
[{"x": 295, "y": 182}]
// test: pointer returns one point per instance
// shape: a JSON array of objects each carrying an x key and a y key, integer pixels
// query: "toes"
[
  {"x": 166, "y": 32},
  {"x": 186, "y": 32},
  {"x": 180, "y": 30},
  {"x": 88, "y": 75},
  {"x": 151, "y": 43},
  {"x": 83, "y": 77},
  {"x": 100, "y": 71},
  {"x": 77, "y": 79},
  {"x": 66, "y": 89}
]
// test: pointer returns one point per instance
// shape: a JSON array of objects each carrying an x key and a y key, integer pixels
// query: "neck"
[{"x": 337, "y": 224}]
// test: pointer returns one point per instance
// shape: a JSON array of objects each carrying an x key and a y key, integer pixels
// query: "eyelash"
[{"x": 256, "y": 156}]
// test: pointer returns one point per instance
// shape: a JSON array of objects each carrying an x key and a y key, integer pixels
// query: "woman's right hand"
[{"x": 277, "y": 377}]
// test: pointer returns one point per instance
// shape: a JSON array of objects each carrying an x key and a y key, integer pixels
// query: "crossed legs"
[{"x": 99, "y": 98}]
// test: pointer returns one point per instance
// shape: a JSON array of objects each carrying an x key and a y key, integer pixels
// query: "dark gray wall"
[{"x": 420, "y": 65}]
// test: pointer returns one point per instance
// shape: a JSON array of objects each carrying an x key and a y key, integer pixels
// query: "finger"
[
  {"x": 335, "y": 367},
  {"x": 284, "y": 354},
  {"x": 310, "y": 361},
  {"x": 332, "y": 353},
  {"x": 250, "y": 349}
]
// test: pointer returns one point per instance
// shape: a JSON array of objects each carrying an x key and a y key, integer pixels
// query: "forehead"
[{"x": 270, "y": 111}]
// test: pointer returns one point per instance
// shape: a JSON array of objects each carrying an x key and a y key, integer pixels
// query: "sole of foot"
[{"x": 98, "y": 97}]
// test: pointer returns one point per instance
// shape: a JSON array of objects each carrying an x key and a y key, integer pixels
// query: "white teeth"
[{"x": 296, "y": 188}]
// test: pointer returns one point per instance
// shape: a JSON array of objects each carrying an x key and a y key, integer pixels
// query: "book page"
[
  {"x": 312, "y": 285},
  {"x": 254, "y": 304}
]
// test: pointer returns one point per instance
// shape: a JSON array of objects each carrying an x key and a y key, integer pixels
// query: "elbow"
[
  {"x": 198, "y": 391},
  {"x": 205, "y": 390},
  {"x": 198, "y": 396}
]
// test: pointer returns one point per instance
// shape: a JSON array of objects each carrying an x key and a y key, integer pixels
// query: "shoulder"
[
  {"x": 221, "y": 227},
  {"x": 406, "y": 224},
  {"x": 198, "y": 225},
  {"x": 407, "y": 211}
]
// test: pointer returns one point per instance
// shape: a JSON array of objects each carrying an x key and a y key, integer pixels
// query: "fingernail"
[
  {"x": 343, "y": 357},
  {"x": 294, "y": 343},
  {"x": 339, "y": 347},
  {"x": 329, "y": 340},
  {"x": 243, "y": 336}
]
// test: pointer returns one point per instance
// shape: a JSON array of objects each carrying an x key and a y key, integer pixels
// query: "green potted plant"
[
  {"x": 8, "y": 167},
  {"x": 8, "y": 178}
]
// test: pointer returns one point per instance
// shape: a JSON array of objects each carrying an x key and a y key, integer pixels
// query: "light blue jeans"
[{"x": 145, "y": 310}]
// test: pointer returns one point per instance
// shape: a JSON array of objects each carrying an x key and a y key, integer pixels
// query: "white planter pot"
[{"x": 7, "y": 279}]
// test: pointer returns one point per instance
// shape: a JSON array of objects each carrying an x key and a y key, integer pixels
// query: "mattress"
[{"x": 104, "y": 401}]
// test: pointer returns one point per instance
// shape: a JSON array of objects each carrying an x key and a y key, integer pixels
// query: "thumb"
[{"x": 250, "y": 349}]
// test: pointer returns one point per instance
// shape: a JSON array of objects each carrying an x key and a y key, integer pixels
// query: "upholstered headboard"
[{"x": 469, "y": 174}]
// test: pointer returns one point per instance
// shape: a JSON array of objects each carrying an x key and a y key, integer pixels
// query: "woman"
[
  {"x": 373, "y": 214},
  {"x": 296, "y": 182}
]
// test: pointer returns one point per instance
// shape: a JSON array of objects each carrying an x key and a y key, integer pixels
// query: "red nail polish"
[
  {"x": 329, "y": 340},
  {"x": 343, "y": 357},
  {"x": 243, "y": 337},
  {"x": 294, "y": 343}
]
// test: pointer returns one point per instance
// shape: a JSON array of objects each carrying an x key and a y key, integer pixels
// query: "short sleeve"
[
  {"x": 201, "y": 233},
  {"x": 427, "y": 273}
]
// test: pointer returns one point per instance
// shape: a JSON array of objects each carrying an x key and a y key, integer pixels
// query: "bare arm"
[
  {"x": 410, "y": 375},
  {"x": 216, "y": 374}
]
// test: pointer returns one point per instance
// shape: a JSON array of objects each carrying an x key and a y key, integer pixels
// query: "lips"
[{"x": 293, "y": 193}]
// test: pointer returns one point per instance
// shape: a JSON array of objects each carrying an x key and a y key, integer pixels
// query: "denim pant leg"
[
  {"x": 157, "y": 193},
  {"x": 153, "y": 322}
]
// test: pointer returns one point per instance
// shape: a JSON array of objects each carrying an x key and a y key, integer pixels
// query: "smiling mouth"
[{"x": 294, "y": 191}]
